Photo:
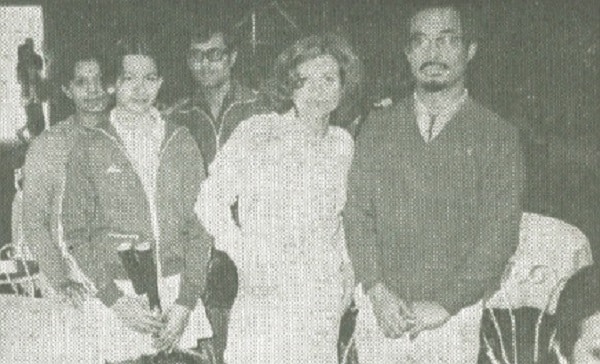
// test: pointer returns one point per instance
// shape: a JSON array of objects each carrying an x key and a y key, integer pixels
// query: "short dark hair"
[
  {"x": 75, "y": 54},
  {"x": 201, "y": 29},
  {"x": 284, "y": 78},
  {"x": 134, "y": 43},
  {"x": 470, "y": 17},
  {"x": 579, "y": 300}
]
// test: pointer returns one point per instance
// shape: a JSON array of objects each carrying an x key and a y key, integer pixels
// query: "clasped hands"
[
  {"x": 396, "y": 317},
  {"x": 166, "y": 328}
]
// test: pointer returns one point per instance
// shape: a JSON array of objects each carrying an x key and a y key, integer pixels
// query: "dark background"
[{"x": 537, "y": 67}]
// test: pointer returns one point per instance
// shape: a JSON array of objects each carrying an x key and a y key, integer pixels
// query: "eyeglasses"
[
  {"x": 212, "y": 54},
  {"x": 442, "y": 42}
]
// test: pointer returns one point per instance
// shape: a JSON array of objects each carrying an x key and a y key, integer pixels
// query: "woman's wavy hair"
[{"x": 284, "y": 78}]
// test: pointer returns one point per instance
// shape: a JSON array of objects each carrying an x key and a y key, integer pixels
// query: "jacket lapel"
[{"x": 109, "y": 129}]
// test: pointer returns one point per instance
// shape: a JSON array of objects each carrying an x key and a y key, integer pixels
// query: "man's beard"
[
  {"x": 434, "y": 86},
  {"x": 212, "y": 83}
]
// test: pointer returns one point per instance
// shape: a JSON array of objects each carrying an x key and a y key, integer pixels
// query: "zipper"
[
  {"x": 166, "y": 143},
  {"x": 225, "y": 114},
  {"x": 160, "y": 156},
  {"x": 217, "y": 133}
]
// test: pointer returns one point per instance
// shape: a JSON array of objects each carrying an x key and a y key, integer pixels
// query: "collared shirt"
[{"x": 424, "y": 116}]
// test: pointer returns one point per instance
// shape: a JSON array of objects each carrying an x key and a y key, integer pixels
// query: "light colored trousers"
[{"x": 456, "y": 342}]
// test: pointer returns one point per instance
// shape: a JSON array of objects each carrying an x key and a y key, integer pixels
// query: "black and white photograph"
[{"x": 299, "y": 182}]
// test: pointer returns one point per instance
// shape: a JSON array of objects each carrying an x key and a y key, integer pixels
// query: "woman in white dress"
[{"x": 287, "y": 171}]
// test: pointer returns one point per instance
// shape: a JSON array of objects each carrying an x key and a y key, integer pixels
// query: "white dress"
[{"x": 289, "y": 248}]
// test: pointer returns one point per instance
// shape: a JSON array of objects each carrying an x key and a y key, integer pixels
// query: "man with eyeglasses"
[
  {"x": 219, "y": 102},
  {"x": 216, "y": 107},
  {"x": 434, "y": 203}
]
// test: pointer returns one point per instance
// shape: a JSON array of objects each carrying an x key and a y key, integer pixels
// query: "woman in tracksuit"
[{"x": 135, "y": 178}]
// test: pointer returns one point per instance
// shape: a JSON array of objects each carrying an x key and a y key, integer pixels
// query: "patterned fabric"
[{"x": 290, "y": 185}]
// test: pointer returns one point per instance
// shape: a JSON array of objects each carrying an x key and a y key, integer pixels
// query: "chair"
[
  {"x": 549, "y": 252},
  {"x": 18, "y": 275}
]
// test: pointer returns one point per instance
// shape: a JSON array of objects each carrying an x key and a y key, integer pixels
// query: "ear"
[
  {"x": 232, "y": 58},
  {"x": 67, "y": 92},
  {"x": 472, "y": 51}
]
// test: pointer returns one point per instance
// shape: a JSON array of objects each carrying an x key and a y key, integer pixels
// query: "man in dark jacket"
[
  {"x": 433, "y": 204},
  {"x": 216, "y": 107},
  {"x": 219, "y": 102}
]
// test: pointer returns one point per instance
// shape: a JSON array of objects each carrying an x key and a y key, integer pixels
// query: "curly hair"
[
  {"x": 579, "y": 300},
  {"x": 284, "y": 78},
  {"x": 470, "y": 17}
]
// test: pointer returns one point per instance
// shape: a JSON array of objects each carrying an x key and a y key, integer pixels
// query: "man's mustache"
[{"x": 431, "y": 63}]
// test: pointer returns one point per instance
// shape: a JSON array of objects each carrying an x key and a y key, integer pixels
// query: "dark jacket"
[
  {"x": 209, "y": 132},
  {"x": 44, "y": 175},
  {"x": 104, "y": 196}
]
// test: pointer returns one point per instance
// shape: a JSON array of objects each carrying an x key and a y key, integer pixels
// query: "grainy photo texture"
[{"x": 299, "y": 182}]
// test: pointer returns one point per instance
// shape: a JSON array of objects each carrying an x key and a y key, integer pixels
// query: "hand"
[
  {"x": 134, "y": 312},
  {"x": 74, "y": 292},
  {"x": 175, "y": 319},
  {"x": 206, "y": 348},
  {"x": 393, "y": 315},
  {"x": 348, "y": 286},
  {"x": 430, "y": 316}
]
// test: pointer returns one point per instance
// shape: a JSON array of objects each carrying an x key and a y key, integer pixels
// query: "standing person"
[
  {"x": 44, "y": 172},
  {"x": 137, "y": 175},
  {"x": 288, "y": 171},
  {"x": 218, "y": 103},
  {"x": 434, "y": 202}
]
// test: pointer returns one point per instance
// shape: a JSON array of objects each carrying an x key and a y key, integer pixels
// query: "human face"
[
  {"x": 587, "y": 347},
  {"x": 138, "y": 84},
  {"x": 436, "y": 51},
  {"x": 319, "y": 87},
  {"x": 85, "y": 89},
  {"x": 211, "y": 62}
]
